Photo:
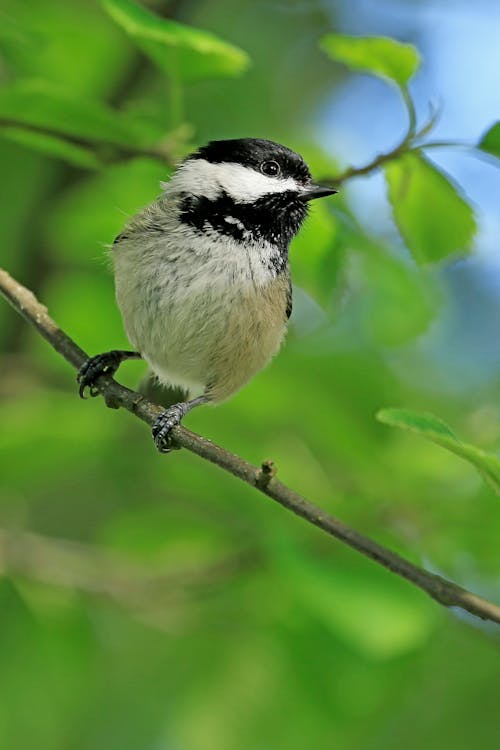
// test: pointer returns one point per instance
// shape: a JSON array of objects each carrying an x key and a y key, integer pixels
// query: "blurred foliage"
[{"x": 223, "y": 622}]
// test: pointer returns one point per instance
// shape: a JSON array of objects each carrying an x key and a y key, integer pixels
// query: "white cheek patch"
[
  {"x": 237, "y": 222},
  {"x": 242, "y": 184}
]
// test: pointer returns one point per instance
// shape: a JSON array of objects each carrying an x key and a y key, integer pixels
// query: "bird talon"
[
  {"x": 93, "y": 368},
  {"x": 163, "y": 426}
]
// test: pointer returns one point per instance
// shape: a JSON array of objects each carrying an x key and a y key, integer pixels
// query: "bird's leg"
[
  {"x": 163, "y": 425},
  {"x": 102, "y": 364}
]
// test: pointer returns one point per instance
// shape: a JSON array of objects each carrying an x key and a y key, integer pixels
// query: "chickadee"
[{"x": 202, "y": 274}]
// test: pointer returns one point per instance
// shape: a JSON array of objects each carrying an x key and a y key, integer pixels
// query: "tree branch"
[
  {"x": 107, "y": 152},
  {"x": 130, "y": 583},
  {"x": 411, "y": 141},
  {"x": 110, "y": 152},
  {"x": 402, "y": 148},
  {"x": 377, "y": 162},
  {"x": 443, "y": 591}
]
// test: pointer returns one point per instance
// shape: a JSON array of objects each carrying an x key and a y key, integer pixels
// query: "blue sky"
[{"x": 460, "y": 46}]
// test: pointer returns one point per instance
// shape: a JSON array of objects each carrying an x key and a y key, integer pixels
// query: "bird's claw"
[
  {"x": 92, "y": 368},
  {"x": 163, "y": 426}
]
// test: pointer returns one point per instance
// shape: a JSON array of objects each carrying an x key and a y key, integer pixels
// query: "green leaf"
[
  {"x": 381, "y": 56},
  {"x": 41, "y": 104},
  {"x": 434, "y": 429},
  {"x": 490, "y": 142},
  {"x": 433, "y": 218},
  {"x": 181, "y": 51}
]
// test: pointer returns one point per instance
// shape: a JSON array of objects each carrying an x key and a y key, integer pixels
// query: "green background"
[{"x": 152, "y": 602}]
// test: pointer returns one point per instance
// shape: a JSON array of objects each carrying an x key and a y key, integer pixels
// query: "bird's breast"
[
  {"x": 205, "y": 314},
  {"x": 251, "y": 334}
]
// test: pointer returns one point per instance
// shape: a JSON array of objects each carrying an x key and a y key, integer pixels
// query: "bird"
[{"x": 202, "y": 274}]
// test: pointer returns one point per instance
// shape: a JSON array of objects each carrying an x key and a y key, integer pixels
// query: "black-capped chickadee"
[{"x": 202, "y": 274}]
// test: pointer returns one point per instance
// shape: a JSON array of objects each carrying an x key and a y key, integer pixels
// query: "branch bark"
[{"x": 115, "y": 395}]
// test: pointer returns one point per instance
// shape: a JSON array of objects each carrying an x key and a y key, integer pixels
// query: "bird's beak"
[{"x": 316, "y": 191}]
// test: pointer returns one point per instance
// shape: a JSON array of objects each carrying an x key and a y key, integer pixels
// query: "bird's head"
[{"x": 246, "y": 186}]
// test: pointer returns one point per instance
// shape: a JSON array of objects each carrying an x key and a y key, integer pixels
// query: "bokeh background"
[{"x": 154, "y": 603}]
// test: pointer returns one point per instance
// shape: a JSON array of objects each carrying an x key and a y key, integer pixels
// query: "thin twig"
[
  {"x": 377, "y": 162},
  {"x": 70, "y": 564},
  {"x": 443, "y": 591},
  {"x": 402, "y": 147},
  {"x": 405, "y": 147},
  {"x": 107, "y": 152},
  {"x": 441, "y": 144}
]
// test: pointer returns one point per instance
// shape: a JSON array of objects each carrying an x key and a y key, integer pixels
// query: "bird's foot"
[
  {"x": 102, "y": 364},
  {"x": 164, "y": 424}
]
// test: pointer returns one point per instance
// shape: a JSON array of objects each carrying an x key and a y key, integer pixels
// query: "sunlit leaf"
[
  {"x": 182, "y": 51},
  {"x": 433, "y": 218},
  {"x": 490, "y": 142},
  {"x": 434, "y": 429},
  {"x": 381, "y": 56}
]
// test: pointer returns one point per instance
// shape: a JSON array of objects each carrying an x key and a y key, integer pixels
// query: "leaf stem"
[
  {"x": 441, "y": 144},
  {"x": 412, "y": 115}
]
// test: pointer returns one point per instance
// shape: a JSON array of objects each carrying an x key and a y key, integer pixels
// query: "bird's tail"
[{"x": 165, "y": 396}]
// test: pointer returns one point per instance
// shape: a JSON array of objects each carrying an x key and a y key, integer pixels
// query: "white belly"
[{"x": 210, "y": 331}]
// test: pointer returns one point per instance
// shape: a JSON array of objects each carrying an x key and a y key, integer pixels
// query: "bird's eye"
[{"x": 270, "y": 168}]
